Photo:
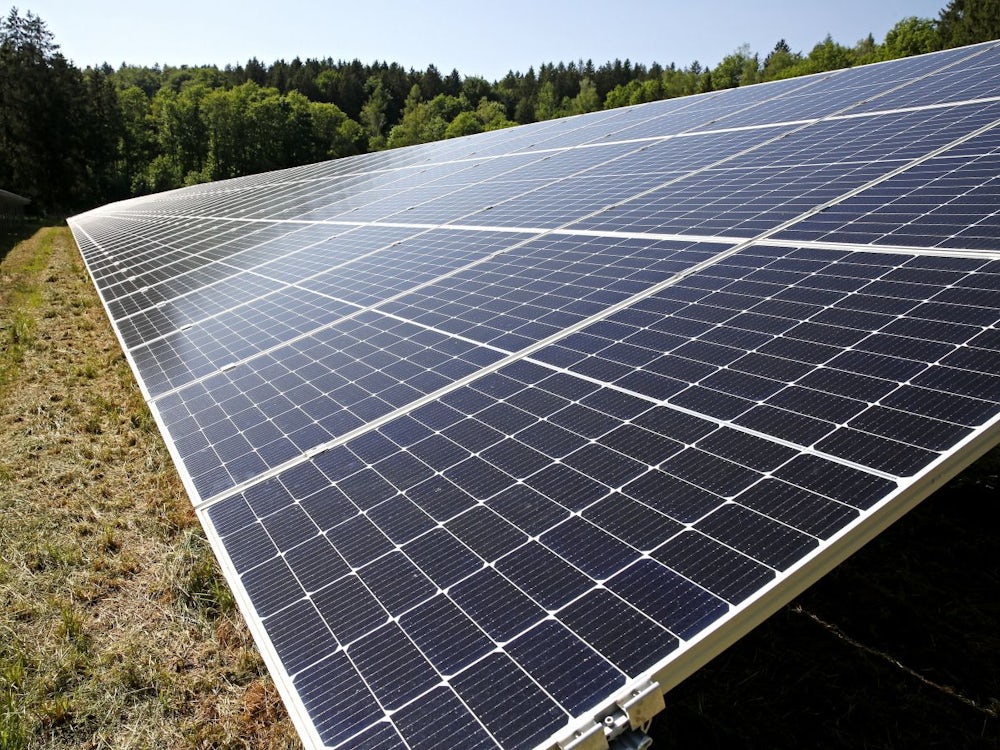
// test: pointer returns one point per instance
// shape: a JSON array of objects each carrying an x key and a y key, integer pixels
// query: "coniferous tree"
[
  {"x": 72, "y": 138},
  {"x": 375, "y": 114},
  {"x": 969, "y": 22}
]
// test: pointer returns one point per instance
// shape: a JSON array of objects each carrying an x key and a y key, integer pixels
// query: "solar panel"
[{"x": 498, "y": 439}]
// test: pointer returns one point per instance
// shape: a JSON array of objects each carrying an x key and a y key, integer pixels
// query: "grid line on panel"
[
  {"x": 197, "y": 277},
  {"x": 752, "y": 198},
  {"x": 688, "y": 175},
  {"x": 833, "y": 117},
  {"x": 732, "y": 313},
  {"x": 915, "y": 108},
  {"x": 510, "y": 357},
  {"x": 246, "y": 184},
  {"x": 906, "y": 82},
  {"x": 416, "y": 605},
  {"x": 738, "y": 153},
  {"x": 145, "y": 232},
  {"x": 389, "y": 201},
  {"x": 652, "y": 138},
  {"x": 510, "y": 552},
  {"x": 929, "y": 74},
  {"x": 537, "y": 237},
  {"x": 236, "y": 273},
  {"x": 353, "y": 314},
  {"x": 931, "y": 252},
  {"x": 903, "y": 168},
  {"x": 708, "y": 118},
  {"x": 719, "y": 421},
  {"x": 527, "y": 351},
  {"x": 298, "y": 282},
  {"x": 949, "y": 203},
  {"x": 177, "y": 257},
  {"x": 761, "y": 500}
]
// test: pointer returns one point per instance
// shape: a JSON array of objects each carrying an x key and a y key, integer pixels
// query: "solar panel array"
[{"x": 497, "y": 436}]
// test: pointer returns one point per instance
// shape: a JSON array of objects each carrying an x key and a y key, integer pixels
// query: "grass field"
[
  {"x": 115, "y": 627},
  {"x": 116, "y": 630}
]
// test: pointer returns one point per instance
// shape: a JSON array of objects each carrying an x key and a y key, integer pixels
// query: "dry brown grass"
[{"x": 116, "y": 630}]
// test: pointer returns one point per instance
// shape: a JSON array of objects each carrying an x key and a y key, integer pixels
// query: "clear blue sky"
[{"x": 478, "y": 37}]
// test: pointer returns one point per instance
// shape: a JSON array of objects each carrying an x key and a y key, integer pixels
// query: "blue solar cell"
[
  {"x": 633, "y": 522},
  {"x": 836, "y": 481},
  {"x": 337, "y": 699},
  {"x": 797, "y": 507},
  {"x": 496, "y": 689},
  {"x": 391, "y": 666},
  {"x": 939, "y": 203},
  {"x": 496, "y": 604},
  {"x": 348, "y": 609},
  {"x": 315, "y": 563},
  {"x": 570, "y": 671},
  {"x": 529, "y": 510},
  {"x": 756, "y": 535},
  {"x": 300, "y": 636},
  {"x": 590, "y": 548},
  {"x": 486, "y": 533},
  {"x": 617, "y": 631},
  {"x": 487, "y": 427},
  {"x": 396, "y": 582},
  {"x": 714, "y": 566},
  {"x": 271, "y": 586},
  {"x": 382, "y": 736},
  {"x": 544, "y": 576},
  {"x": 250, "y": 546},
  {"x": 441, "y": 720},
  {"x": 672, "y": 496},
  {"x": 447, "y": 637},
  {"x": 681, "y": 606}
]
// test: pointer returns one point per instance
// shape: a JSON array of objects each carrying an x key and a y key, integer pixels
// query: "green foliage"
[
  {"x": 867, "y": 51},
  {"x": 473, "y": 90},
  {"x": 136, "y": 137},
  {"x": 492, "y": 115},
  {"x": 828, "y": 55},
  {"x": 969, "y": 22},
  {"x": 779, "y": 60},
  {"x": 741, "y": 68},
  {"x": 911, "y": 36},
  {"x": 465, "y": 123},
  {"x": 488, "y": 115},
  {"x": 374, "y": 114},
  {"x": 547, "y": 104},
  {"x": 71, "y": 139},
  {"x": 423, "y": 121},
  {"x": 46, "y": 116},
  {"x": 586, "y": 101}
]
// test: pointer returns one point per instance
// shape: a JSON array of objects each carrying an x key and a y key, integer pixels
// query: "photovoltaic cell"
[
  {"x": 491, "y": 433},
  {"x": 943, "y": 203}
]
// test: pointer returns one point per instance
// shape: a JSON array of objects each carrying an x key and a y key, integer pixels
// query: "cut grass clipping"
[
  {"x": 116, "y": 628},
  {"x": 117, "y": 631}
]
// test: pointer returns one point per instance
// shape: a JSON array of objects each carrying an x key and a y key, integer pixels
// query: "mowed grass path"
[{"x": 116, "y": 629}]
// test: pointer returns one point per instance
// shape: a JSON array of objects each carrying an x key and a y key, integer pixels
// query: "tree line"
[{"x": 72, "y": 138}]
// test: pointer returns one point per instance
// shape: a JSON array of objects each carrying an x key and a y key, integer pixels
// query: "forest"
[{"x": 72, "y": 139}]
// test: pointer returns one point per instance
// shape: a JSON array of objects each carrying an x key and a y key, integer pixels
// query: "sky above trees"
[{"x": 484, "y": 39}]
